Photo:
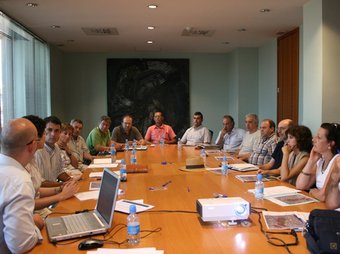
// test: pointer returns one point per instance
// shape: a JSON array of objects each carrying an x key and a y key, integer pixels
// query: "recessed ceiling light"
[
  {"x": 265, "y": 10},
  {"x": 55, "y": 26},
  {"x": 31, "y": 4},
  {"x": 149, "y": 42},
  {"x": 152, "y": 6},
  {"x": 225, "y": 42},
  {"x": 151, "y": 27},
  {"x": 241, "y": 30}
]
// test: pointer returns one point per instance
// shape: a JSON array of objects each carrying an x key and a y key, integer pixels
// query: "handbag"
[{"x": 323, "y": 232}]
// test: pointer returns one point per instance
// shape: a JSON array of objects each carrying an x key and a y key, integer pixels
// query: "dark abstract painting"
[{"x": 141, "y": 86}]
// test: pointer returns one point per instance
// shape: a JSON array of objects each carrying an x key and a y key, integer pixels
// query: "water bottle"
[
  {"x": 259, "y": 188},
  {"x": 133, "y": 226},
  {"x": 122, "y": 170},
  {"x": 133, "y": 159},
  {"x": 224, "y": 169},
  {"x": 134, "y": 144},
  {"x": 203, "y": 154},
  {"x": 179, "y": 145},
  {"x": 161, "y": 141},
  {"x": 126, "y": 145},
  {"x": 113, "y": 153}
]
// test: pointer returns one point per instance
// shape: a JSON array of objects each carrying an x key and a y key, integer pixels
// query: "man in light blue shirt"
[
  {"x": 19, "y": 230},
  {"x": 230, "y": 138}
]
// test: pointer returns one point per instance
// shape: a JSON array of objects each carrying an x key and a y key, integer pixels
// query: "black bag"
[{"x": 323, "y": 232}]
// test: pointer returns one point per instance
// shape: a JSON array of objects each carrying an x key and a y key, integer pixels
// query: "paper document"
[
  {"x": 87, "y": 195},
  {"x": 253, "y": 178},
  {"x": 243, "y": 167},
  {"x": 292, "y": 199},
  {"x": 277, "y": 191},
  {"x": 103, "y": 165},
  {"x": 123, "y": 206},
  {"x": 126, "y": 251},
  {"x": 285, "y": 220},
  {"x": 96, "y": 174},
  {"x": 102, "y": 161}
]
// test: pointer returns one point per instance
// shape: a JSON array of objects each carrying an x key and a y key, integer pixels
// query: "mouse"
[{"x": 90, "y": 244}]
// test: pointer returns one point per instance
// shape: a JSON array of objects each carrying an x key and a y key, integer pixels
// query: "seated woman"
[
  {"x": 46, "y": 196},
  {"x": 333, "y": 188},
  {"x": 295, "y": 154},
  {"x": 318, "y": 168},
  {"x": 69, "y": 161}
]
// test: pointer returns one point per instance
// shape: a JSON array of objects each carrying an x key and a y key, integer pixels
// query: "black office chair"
[{"x": 211, "y": 136}]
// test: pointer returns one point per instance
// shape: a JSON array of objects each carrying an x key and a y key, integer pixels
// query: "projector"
[{"x": 217, "y": 209}]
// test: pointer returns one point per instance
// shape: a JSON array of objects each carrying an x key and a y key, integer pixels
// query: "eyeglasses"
[{"x": 33, "y": 140}]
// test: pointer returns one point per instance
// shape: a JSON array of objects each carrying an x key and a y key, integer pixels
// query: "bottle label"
[
  {"x": 133, "y": 229},
  {"x": 123, "y": 175},
  {"x": 259, "y": 191}
]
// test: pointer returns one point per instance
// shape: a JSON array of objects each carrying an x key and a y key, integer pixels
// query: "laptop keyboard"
[{"x": 81, "y": 222}]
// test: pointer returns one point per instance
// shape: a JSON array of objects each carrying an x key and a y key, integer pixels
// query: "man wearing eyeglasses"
[{"x": 19, "y": 228}]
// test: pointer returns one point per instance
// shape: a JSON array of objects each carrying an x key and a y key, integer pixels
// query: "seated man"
[
  {"x": 197, "y": 134},
  {"x": 251, "y": 138},
  {"x": 276, "y": 160},
  {"x": 160, "y": 130},
  {"x": 19, "y": 230},
  {"x": 126, "y": 131},
  {"x": 48, "y": 158},
  {"x": 267, "y": 144},
  {"x": 229, "y": 138},
  {"x": 99, "y": 138},
  {"x": 78, "y": 145}
]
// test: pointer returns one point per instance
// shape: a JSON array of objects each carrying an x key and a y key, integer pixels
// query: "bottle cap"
[
  {"x": 122, "y": 161},
  {"x": 113, "y": 145},
  {"x": 133, "y": 208},
  {"x": 259, "y": 177}
]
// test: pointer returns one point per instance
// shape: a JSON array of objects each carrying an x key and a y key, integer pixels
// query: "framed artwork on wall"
[{"x": 140, "y": 87}]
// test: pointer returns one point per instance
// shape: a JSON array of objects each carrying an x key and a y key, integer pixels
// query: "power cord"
[{"x": 271, "y": 239}]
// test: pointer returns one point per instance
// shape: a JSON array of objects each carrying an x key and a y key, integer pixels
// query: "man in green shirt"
[{"x": 99, "y": 138}]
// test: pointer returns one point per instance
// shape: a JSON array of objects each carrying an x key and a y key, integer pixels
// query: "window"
[{"x": 24, "y": 72}]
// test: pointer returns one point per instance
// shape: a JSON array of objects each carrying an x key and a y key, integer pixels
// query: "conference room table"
[{"x": 181, "y": 232}]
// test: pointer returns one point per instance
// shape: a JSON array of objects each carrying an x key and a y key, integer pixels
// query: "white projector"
[{"x": 217, "y": 209}]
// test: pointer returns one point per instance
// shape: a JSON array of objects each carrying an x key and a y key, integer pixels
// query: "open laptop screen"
[{"x": 107, "y": 195}]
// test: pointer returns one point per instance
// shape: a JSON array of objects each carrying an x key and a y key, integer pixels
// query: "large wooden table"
[{"x": 183, "y": 232}]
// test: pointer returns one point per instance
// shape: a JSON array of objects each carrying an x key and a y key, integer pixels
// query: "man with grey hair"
[
  {"x": 19, "y": 230},
  {"x": 251, "y": 138}
]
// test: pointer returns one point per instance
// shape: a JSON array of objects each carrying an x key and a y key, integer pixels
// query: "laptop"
[{"x": 88, "y": 223}]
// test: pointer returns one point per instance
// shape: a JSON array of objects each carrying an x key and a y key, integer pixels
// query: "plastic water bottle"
[
  {"x": 113, "y": 153},
  {"x": 179, "y": 145},
  {"x": 122, "y": 171},
  {"x": 126, "y": 145},
  {"x": 134, "y": 144},
  {"x": 203, "y": 154},
  {"x": 161, "y": 141},
  {"x": 133, "y": 226},
  {"x": 224, "y": 169},
  {"x": 133, "y": 159},
  {"x": 259, "y": 188}
]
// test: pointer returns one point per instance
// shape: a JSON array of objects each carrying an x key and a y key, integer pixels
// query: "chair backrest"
[{"x": 211, "y": 135}]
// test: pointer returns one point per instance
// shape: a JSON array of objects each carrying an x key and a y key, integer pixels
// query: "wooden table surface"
[{"x": 182, "y": 232}]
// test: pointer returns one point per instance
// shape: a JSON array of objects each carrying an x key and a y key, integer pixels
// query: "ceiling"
[{"x": 216, "y": 23}]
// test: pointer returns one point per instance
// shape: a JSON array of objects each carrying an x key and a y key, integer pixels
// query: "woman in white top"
[
  {"x": 333, "y": 188},
  {"x": 318, "y": 168}
]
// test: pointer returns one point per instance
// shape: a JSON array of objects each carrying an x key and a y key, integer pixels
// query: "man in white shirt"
[
  {"x": 251, "y": 138},
  {"x": 197, "y": 134},
  {"x": 19, "y": 230},
  {"x": 78, "y": 145},
  {"x": 230, "y": 138}
]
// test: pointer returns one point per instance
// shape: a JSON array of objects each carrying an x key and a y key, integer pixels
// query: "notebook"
[{"x": 89, "y": 223}]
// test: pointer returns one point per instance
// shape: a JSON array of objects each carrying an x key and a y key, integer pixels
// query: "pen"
[
  {"x": 165, "y": 184},
  {"x": 134, "y": 203}
]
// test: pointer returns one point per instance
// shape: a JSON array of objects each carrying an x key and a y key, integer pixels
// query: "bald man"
[{"x": 19, "y": 230}]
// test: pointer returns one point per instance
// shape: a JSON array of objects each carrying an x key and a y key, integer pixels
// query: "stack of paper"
[
  {"x": 103, "y": 163},
  {"x": 123, "y": 206},
  {"x": 243, "y": 167},
  {"x": 277, "y": 191},
  {"x": 285, "y": 220},
  {"x": 127, "y": 251}
]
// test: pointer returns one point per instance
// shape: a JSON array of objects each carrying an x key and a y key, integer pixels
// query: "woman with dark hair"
[
  {"x": 295, "y": 153},
  {"x": 319, "y": 166}
]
